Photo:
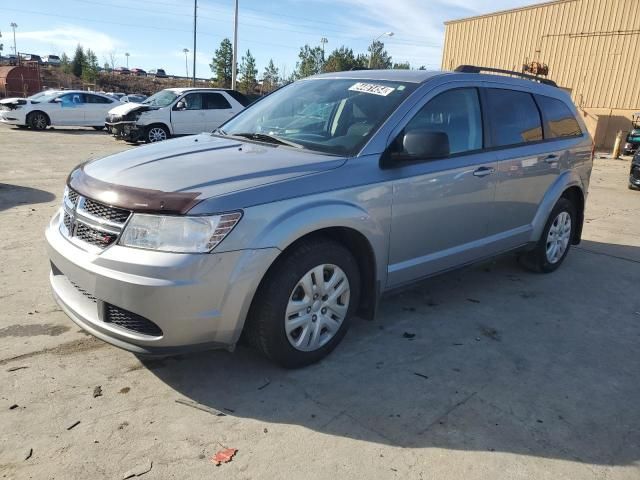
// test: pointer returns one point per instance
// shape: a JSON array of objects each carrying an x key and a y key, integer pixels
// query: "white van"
[{"x": 174, "y": 111}]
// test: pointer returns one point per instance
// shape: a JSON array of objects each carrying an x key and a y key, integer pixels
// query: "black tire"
[
  {"x": 265, "y": 327},
  {"x": 537, "y": 259},
  {"x": 632, "y": 187},
  {"x": 150, "y": 135},
  {"x": 38, "y": 120},
  {"x": 98, "y": 128}
]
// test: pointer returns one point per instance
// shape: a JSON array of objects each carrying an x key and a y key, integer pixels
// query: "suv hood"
[
  {"x": 126, "y": 108},
  {"x": 174, "y": 175}
]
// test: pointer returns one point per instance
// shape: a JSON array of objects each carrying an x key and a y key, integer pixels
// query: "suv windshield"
[
  {"x": 163, "y": 98},
  {"x": 325, "y": 115}
]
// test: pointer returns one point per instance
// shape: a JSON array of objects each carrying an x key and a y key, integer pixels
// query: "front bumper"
[
  {"x": 126, "y": 130},
  {"x": 634, "y": 175},
  {"x": 10, "y": 117},
  {"x": 198, "y": 301}
]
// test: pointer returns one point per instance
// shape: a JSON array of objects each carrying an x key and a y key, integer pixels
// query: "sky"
[{"x": 155, "y": 32}]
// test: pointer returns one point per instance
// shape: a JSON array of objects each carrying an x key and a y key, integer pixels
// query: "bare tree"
[{"x": 112, "y": 60}]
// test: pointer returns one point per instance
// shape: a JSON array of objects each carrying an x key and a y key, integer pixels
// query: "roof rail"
[{"x": 475, "y": 69}]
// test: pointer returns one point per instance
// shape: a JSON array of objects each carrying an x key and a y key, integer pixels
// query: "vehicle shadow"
[
  {"x": 487, "y": 358},
  {"x": 14, "y": 195}
]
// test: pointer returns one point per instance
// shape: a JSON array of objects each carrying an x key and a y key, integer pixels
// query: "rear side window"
[
  {"x": 558, "y": 119},
  {"x": 515, "y": 118},
  {"x": 96, "y": 99},
  {"x": 215, "y": 101},
  {"x": 456, "y": 113}
]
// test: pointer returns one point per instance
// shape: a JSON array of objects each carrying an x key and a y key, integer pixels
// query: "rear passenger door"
[
  {"x": 96, "y": 109},
  {"x": 527, "y": 165},
  {"x": 217, "y": 110}
]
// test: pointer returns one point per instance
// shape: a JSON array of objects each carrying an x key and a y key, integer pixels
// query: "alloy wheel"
[{"x": 157, "y": 134}]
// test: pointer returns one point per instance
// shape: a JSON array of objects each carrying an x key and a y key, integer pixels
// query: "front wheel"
[
  {"x": 304, "y": 305},
  {"x": 156, "y": 133},
  {"x": 38, "y": 121},
  {"x": 555, "y": 241}
]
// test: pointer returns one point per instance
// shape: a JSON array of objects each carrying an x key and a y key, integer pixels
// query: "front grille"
[
  {"x": 113, "y": 214},
  {"x": 94, "y": 236},
  {"x": 73, "y": 197},
  {"x": 130, "y": 321},
  {"x": 635, "y": 172},
  {"x": 84, "y": 292},
  {"x": 92, "y": 223}
]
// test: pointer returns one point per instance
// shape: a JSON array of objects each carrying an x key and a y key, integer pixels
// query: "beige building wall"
[{"x": 592, "y": 48}]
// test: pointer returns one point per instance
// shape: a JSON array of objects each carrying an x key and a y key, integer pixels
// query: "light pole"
[
  {"x": 186, "y": 63},
  {"x": 385, "y": 34},
  {"x": 323, "y": 40},
  {"x": 14, "y": 25},
  {"x": 127, "y": 55},
  {"x": 234, "y": 67},
  {"x": 195, "y": 26}
]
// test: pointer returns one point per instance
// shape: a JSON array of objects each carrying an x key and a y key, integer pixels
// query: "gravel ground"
[{"x": 510, "y": 374}]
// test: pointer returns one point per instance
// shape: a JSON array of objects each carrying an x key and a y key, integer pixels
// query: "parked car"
[
  {"x": 174, "y": 111},
  {"x": 57, "y": 108},
  {"x": 133, "y": 98},
  {"x": 634, "y": 174},
  {"x": 122, "y": 71},
  {"x": 280, "y": 224},
  {"x": 11, "y": 59},
  {"x": 632, "y": 142},
  {"x": 158, "y": 73},
  {"x": 30, "y": 57},
  {"x": 52, "y": 60},
  {"x": 138, "y": 72}
]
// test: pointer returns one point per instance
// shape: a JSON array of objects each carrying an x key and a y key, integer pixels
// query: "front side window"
[
  {"x": 455, "y": 113},
  {"x": 559, "y": 121},
  {"x": 71, "y": 99},
  {"x": 192, "y": 101},
  {"x": 335, "y": 116},
  {"x": 515, "y": 118}
]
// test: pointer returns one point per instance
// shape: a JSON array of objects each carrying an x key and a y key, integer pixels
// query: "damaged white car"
[
  {"x": 174, "y": 111},
  {"x": 57, "y": 108}
]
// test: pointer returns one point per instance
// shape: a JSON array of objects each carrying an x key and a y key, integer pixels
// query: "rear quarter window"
[
  {"x": 559, "y": 121},
  {"x": 515, "y": 118}
]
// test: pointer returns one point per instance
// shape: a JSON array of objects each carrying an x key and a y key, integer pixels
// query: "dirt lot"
[{"x": 509, "y": 375}]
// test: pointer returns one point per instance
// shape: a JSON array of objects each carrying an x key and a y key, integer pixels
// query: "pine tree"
[
  {"x": 271, "y": 77},
  {"x": 222, "y": 63},
  {"x": 90, "y": 67},
  {"x": 65, "y": 64},
  {"x": 310, "y": 63},
  {"x": 248, "y": 73},
  {"x": 78, "y": 61},
  {"x": 380, "y": 59}
]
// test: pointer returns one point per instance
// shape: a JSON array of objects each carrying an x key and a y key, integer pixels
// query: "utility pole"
[
  {"x": 14, "y": 25},
  {"x": 323, "y": 40},
  {"x": 127, "y": 55},
  {"x": 195, "y": 26},
  {"x": 234, "y": 67},
  {"x": 186, "y": 64}
]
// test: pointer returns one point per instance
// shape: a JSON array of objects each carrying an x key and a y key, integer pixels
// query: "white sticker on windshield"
[{"x": 371, "y": 88}]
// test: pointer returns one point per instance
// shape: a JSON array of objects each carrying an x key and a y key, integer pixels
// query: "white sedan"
[{"x": 57, "y": 108}]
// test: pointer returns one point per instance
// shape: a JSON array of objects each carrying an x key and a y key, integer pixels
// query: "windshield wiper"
[{"x": 263, "y": 137}]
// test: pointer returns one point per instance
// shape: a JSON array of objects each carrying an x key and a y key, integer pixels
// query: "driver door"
[
  {"x": 442, "y": 207},
  {"x": 189, "y": 119},
  {"x": 68, "y": 109}
]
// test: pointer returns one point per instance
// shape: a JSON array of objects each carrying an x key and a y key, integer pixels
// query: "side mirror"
[
  {"x": 56, "y": 100},
  {"x": 425, "y": 144},
  {"x": 181, "y": 105}
]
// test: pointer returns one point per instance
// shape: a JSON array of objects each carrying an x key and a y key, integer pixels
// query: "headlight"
[
  {"x": 627, "y": 145},
  {"x": 180, "y": 234}
]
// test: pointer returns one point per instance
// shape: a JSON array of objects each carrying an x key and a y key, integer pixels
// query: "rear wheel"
[
  {"x": 156, "y": 133},
  {"x": 38, "y": 120},
  {"x": 555, "y": 241},
  {"x": 304, "y": 305}
]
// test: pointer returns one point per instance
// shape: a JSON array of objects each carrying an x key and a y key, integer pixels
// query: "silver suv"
[{"x": 302, "y": 210}]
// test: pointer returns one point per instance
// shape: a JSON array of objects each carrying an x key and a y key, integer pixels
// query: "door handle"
[
  {"x": 483, "y": 171},
  {"x": 551, "y": 158}
]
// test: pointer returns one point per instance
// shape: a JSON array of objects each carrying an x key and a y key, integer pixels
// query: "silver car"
[{"x": 301, "y": 211}]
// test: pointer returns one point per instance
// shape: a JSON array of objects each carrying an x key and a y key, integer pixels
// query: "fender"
[{"x": 567, "y": 179}]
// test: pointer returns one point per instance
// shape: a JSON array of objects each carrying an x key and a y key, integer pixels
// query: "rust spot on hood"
[{"x": 142, "y": 200}]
